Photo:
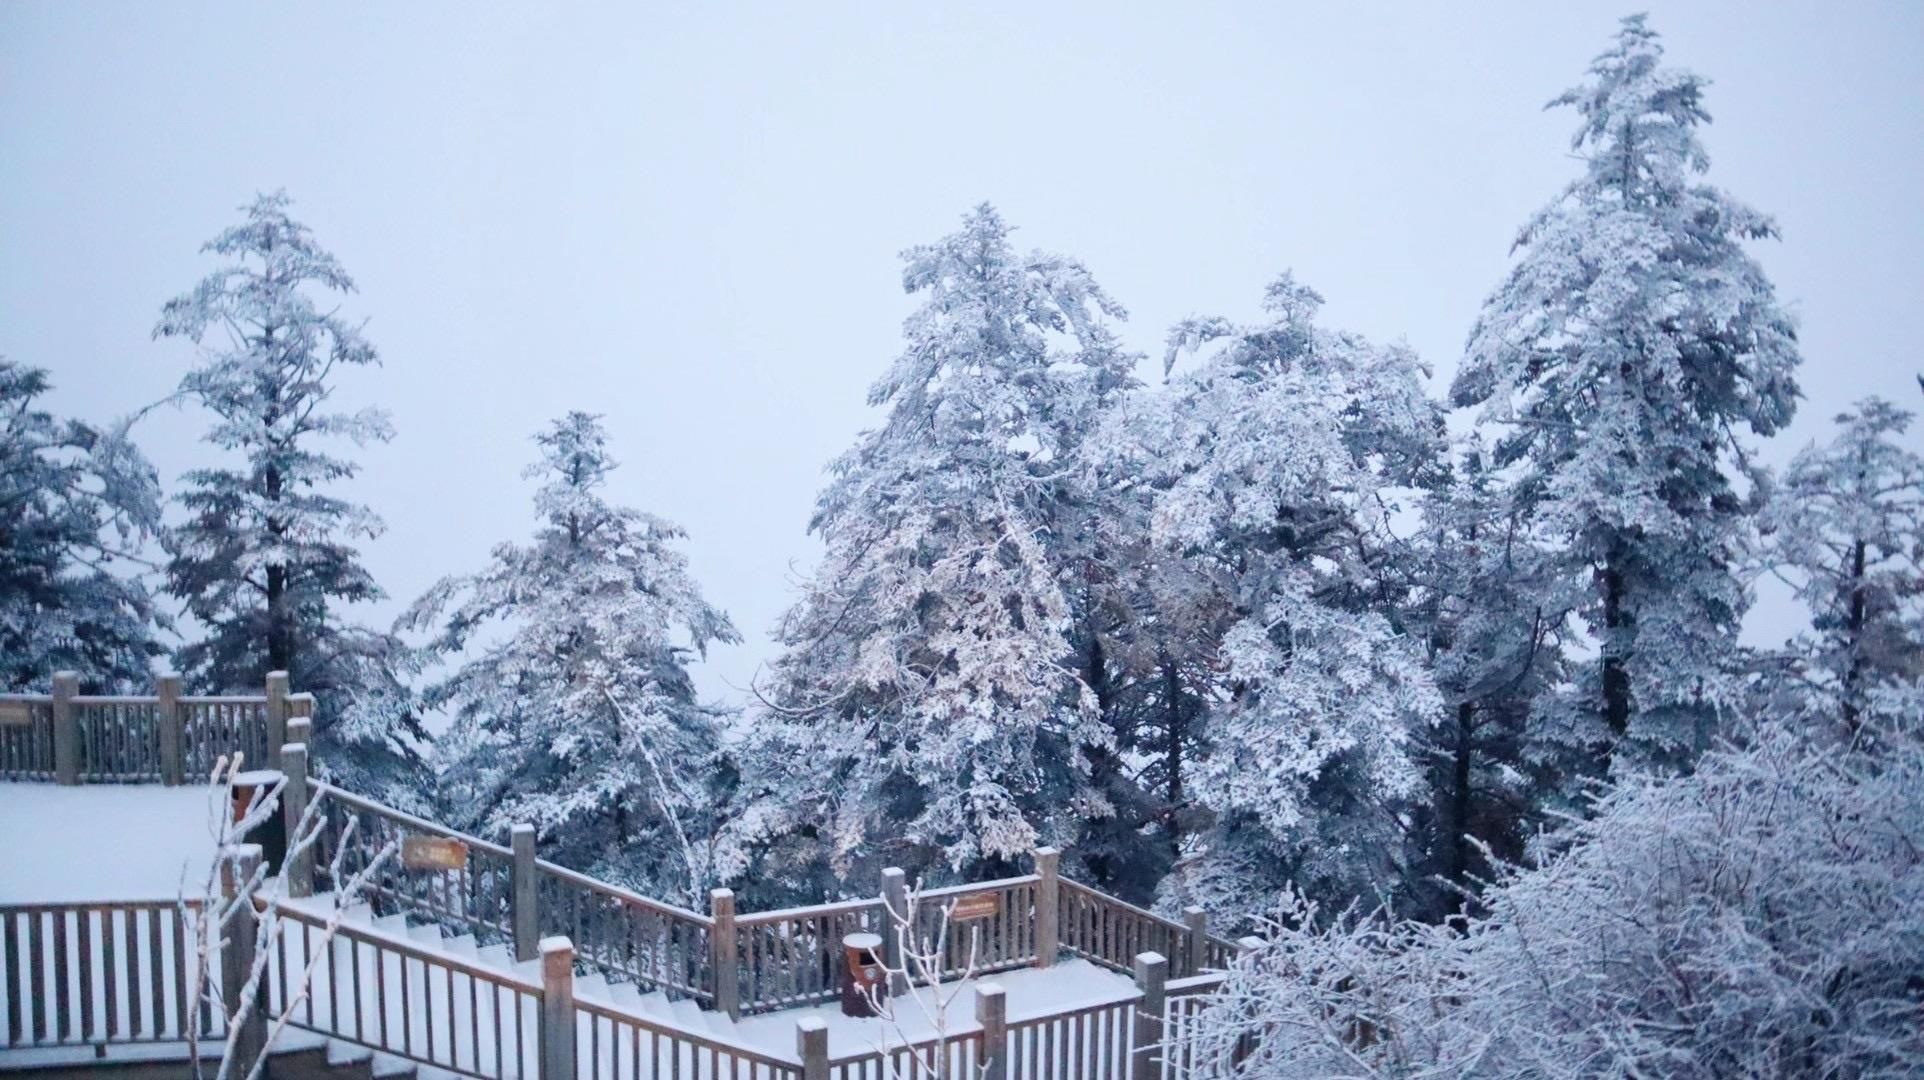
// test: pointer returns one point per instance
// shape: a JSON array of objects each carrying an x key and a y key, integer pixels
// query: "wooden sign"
[
  {"x": 433, "y": 853},
  {"x": 16, "y": 714},
  {"x": 976, "y": 905}
]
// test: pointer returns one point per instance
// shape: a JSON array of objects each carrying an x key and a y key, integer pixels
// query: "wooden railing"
[
  {"x": 1112, "y": 933},
  {"x": 476, "y": 898},
  {"x": 995, "y": 942},
  {"x": 87, "y": 974},
  {"x": 793, "y": 957},
  {"x": 626, "y": 935},
  {"x": 26, "y": 737},
  {"x": 1184, "y": 1054},
  {"x": 165, "y": 737},
  {"x": 402, "y": 999},
  {"x": 615, "y": 1044},
  {"x": 1088, "y": 1042}
]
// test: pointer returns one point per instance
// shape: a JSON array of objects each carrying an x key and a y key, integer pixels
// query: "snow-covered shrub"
[{"x": 1763, "y": 916}]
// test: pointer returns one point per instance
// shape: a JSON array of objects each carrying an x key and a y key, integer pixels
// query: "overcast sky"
[{"x": 687, "y": 219}]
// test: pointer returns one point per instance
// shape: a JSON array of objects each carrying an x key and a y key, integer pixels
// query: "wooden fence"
[
  {"x": 166, "y": 737},
  {"x": 87, "y": 974}
]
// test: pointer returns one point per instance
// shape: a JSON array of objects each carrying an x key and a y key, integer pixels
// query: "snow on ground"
[
  {"x": 1029, "y": 992},
  {"x": 101, "y": 842}
]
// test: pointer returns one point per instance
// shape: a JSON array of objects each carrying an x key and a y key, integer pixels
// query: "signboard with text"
[
  {"x": 16, "y": 713},
  {"x": 976, "y": 905},
  {"x": 433, "y": 853}
]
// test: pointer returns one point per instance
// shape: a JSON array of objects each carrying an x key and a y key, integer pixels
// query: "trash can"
[
  {"x": 270, "y": 834},
  {"x": 864, "y": 979}
]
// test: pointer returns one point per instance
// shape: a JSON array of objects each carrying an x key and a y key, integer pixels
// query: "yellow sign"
[
  {"x": 976, "y": 905},
  {"x": 433, "y": 853},
  {"x": 16, "y": 713}
]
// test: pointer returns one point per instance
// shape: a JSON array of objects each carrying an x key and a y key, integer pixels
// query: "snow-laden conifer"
[
  {"x": 1621, "y": 365},
  {"x": 266, "y": 561},
  {"x": 572, "y": 704},
  {"x": 1275, "y": 462},
  {"x": 927, "y": 710},
  {"x": 76, "y": 503},
  {"x": 1846, "y": 527}
]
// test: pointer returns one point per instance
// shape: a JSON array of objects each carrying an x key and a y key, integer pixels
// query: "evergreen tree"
[
  {"x": 576, "y": 713},
  {"x": 1273, "y": 462},
  {"x": 75, "y": 503},
  {"x": 1846, "y": 528},
  {"x": 928, "y": 710},
  {"x": 265, "y": 560},
  {"x": 1492, "y": 610},
  {"x": 1621, "y": 360}
]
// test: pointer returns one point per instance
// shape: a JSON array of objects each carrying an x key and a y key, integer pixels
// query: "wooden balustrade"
[
  {"x": 793, "y": 957},
  {"x": 85, "y": 974},
  {"x": 476, "y": 898},
  {"x": 26, "y": 737},
  {"x": 403, "y": 999},
  {"x": 1111, "y": 932},
  {"x": 628, "y": 936},
  {"x": 166, "y": 737}
]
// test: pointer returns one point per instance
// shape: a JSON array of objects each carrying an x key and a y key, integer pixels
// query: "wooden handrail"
[{"x": 419, "y": 824}]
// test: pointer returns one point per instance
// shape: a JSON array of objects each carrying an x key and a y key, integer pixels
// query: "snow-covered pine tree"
[
  {"x": 265, "y": 560},
  {"x": 1620, "y": 362},
  {"x": 1274, "y": 462},
  {"x": 1491, "y": 606},
  {"x": 1846, "y": 528},
  {"x": 575, "y": 712},
  {"x": 927, "y": 711},
  {"x": 76, "y": 502}
]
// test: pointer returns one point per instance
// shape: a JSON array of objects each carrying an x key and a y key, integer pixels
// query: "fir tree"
[
  {"x": 1622, "y": 360},
  {"x": 76, "y": 501},
  {"x": 265, "y": 561},
  {"x": 1846, "y": 528},
  {"x": 1491, "y": 606},
  {"x": 1273, "y": 462},
  {"x": 928, "y": 710},
  {"x": 576, "y": 713}
]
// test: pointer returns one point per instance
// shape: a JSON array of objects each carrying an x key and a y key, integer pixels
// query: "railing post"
[
  {"x": 276, "y": 714},
  {"x": 1048, "y": 904},
  {"x": 1198, "y": 922},
  {"x": 557, "y": 1009},
  {"x": 247, "y": 1020},
  {"x": 992, "y": 1012},
  {"x": 173, "y": 764},
  {"x": 297, "y": 867},
  {"x": 527, "y": 927},
  {"x": 1152, "y": 975},
  {"x": 811, "y": 1045},
  {"x": 66, "y": 728},
  {"x": 722, "y": 954},
  {"x": 897, "y": 934}
]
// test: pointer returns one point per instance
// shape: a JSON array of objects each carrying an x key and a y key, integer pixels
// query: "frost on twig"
[
  {"x": 215, "y": 915},
  {"x": 917, "y": 968}
]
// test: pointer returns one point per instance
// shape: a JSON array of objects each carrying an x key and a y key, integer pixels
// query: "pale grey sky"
[{"x": 687, "y": 217}]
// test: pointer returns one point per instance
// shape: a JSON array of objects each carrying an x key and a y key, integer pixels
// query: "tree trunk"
[
  {"x": 1616, "y": 677},
  {"x": 1853, "y": 638},
  {"x": 1456, "y": 865},
  {"x": 280, "y": 620}
]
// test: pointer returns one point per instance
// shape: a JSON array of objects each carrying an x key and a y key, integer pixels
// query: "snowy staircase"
[{"x": 380, "y": 984}]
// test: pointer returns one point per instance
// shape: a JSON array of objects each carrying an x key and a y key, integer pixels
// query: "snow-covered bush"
[{"x": 1763, "y": 916}]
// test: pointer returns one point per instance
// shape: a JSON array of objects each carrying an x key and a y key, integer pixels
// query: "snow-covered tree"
[
  {"x": 1846, "y": 527},
  {"x": 927, "y": 711},
  {"x": 1762, "y": 916},
  {"x": 1491, "y": 607},
  {"x": 265, "y": 561},
  {"x": 575, "y": 711},
  {"x": 1275, "y": 462},
  {"x": 76, "y": 502},
  {"x": 1624, "y": 358}
]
